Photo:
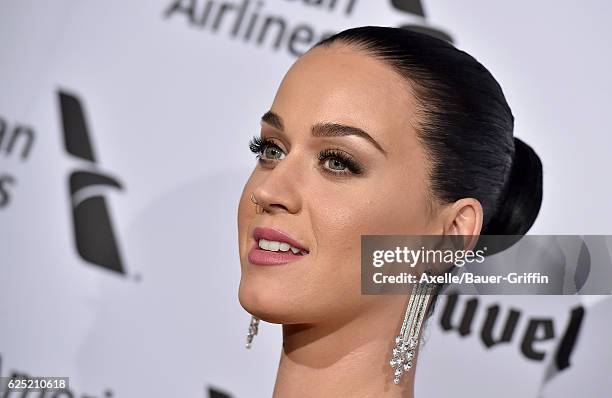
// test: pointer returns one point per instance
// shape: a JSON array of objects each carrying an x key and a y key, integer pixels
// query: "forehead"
[{"x": 344, "y": 85}]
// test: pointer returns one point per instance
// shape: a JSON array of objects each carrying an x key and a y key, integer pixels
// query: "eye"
[
  {"x": 338, "y": 162},
  {"x": 265, "y": 149},
  {"x": 272, "y": 152},
  {"x": 335, "y": 164}
]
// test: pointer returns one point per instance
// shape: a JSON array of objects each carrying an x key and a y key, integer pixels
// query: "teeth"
[{"x": 275, "y": 246}]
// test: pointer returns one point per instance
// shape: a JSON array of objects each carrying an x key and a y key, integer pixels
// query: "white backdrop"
[{"x": 170, "y": 100}]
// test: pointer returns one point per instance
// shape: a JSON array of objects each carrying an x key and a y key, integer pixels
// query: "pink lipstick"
[{"x": 274, "y": 247}]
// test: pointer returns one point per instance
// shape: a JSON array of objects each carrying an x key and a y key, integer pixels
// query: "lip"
[{"x": 259, "y": 256}]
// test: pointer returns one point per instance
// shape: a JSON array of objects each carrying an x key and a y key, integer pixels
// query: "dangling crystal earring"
[
  {"x": 253, "y": 326},
  {"x": 408, "y": 339}
]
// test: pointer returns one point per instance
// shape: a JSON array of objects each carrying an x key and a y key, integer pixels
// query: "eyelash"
[{"x": 257, "y": 145}]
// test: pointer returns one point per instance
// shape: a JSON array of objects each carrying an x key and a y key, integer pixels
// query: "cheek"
[
  {"x": 340, "y": 219},
  {"x": 386, "y": 208},
  {"x": 246, "y": 214}
]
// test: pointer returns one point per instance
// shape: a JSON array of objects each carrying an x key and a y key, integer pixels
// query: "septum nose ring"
[{"x": 258, "y": 207}]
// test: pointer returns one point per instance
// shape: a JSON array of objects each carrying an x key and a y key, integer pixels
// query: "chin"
[{"x": 267, "y": 301}]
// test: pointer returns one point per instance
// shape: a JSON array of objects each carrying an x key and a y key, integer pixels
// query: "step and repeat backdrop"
[{"x": 124, "y": 129}]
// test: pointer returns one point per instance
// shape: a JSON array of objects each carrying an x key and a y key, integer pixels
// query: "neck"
[{"x": 344, "y": 358}]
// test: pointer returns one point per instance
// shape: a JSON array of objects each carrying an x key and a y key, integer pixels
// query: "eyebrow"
[{"x": 324, "y": 129}]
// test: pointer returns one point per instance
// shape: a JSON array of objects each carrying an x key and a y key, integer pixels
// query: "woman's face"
[{"x": 326, "y": 185}]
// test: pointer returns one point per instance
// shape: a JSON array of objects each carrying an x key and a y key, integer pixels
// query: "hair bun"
[{"x": 521, "y": 203}]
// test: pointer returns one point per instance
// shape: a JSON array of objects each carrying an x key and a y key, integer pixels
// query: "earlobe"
[{"x": 465, "y": 218}]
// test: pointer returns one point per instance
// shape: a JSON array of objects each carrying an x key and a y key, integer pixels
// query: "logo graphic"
[
  {"x": 214, "y": 393},
  {"x": 536, "y": 330},
  {"x": 415, "y": 7},
  {"x": 93, "y": 230}
]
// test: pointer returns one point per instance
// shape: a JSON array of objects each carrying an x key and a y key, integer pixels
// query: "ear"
[{"x": 464, "y": 217}]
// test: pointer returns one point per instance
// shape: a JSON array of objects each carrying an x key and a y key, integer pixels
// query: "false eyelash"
[
  {"x": 351, "y": 164},
  {"x": 257, "y": 145}
]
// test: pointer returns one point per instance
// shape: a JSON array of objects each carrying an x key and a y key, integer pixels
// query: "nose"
[{"x": 279, "y": 189}]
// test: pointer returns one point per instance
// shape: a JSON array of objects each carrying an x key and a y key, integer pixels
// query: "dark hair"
[{"x": 465, "y": 125}]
